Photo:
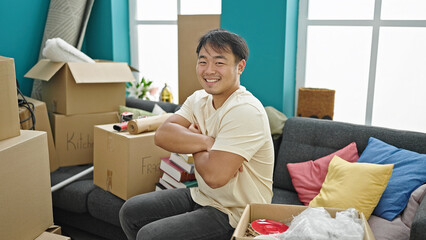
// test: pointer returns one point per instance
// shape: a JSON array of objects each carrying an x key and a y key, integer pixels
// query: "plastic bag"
[{"x": 317, "y": 224}]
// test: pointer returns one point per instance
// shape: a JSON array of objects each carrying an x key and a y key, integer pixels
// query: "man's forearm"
[{"x": 177, "y": 138}]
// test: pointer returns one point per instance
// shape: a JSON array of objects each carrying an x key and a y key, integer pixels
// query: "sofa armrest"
[
  {"x": 148, "y": 105},
  {"x": 418, "y": 227}
]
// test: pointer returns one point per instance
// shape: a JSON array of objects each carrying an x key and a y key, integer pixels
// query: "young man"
[{"x": 226, "y": 129}]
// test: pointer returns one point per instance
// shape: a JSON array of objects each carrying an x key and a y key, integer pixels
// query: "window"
[
  {"x": 153, "y": 37},
  {"x": 372, "y": 53}
]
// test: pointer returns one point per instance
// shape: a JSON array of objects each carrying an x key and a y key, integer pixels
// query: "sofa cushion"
[
  {"x": 416, "y": 198},
  {"x": 136, "y": 112},
  {"x": 408, "y": 174},
  {"x": 399, "y": 227},
  {"x": 276, "y": 120},
  {"x": 307, "y": 177},
  {"x": 87, "y": 223},
  {"x": 64, "y": 173},
  {"x": 148, "y": 105},
  {"x": 72, "y": 197},
  {"x": 104, "y": 206},
  {"x": 389, "y": 230},
  {"x": 353, "y": 185},
  {"x": 282, "y": 196}
]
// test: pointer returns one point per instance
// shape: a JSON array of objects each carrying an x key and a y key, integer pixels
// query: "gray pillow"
[{"x": 399, "y": 228}]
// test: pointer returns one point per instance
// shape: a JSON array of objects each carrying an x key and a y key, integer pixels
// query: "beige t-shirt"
[{"x": 239, "y": 126}]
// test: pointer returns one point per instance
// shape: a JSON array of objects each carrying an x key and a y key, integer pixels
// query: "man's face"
[{"x": 218, "y": 73}]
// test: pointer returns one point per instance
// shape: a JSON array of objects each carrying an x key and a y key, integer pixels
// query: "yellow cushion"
[{"x": 353, "y": 185}]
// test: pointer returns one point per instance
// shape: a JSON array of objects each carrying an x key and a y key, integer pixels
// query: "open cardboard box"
[
  {"x": 79, "y": 87},
  {"x": 282, "y": 213}
]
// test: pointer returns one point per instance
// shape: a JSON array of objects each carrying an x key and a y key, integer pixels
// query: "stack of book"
[{"x": 178, "y": 172}]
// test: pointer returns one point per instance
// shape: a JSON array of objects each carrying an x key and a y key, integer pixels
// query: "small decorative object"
[
  {"x": 166, "y": 94},
  {"x": 141, "y": 89},
  {"x": 316, "y": 103}
]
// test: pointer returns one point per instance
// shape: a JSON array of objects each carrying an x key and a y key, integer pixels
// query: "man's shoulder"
[
  {"x": 198, "y": 95},
  {"x": 246, "y": 100}
]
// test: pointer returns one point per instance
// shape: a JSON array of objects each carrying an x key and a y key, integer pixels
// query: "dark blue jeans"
[{"x": 172, "y": 214}]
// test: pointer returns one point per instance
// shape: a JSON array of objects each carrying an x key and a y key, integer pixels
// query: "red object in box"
[{"x": 265, "y": 226}]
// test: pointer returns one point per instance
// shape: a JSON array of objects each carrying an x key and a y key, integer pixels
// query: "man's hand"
[
  {"x": 195, "y": 128},
  {"x": 239, "y": 170}
]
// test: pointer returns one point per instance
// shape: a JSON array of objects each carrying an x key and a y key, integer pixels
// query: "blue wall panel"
[
  {"x": 264, "y": 26},
  {"x": 22, "y": 26},
  {"x": 21, "y": 31}
]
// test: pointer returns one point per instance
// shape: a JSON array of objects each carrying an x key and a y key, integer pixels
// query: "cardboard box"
[
  {"x": 55, "y": 229},
  {"x": 26, "y": 121},
  {"x": 52, "y": 233},
  {"x": 282, "y": 213},
  {"x": 80, "y": 88},
  {"x": 124, "y": 164},
  {"x": 51, "y": 236},
  {"x": 9, "y": 113},
  {"x": 42, "y": 124},
  {"x": 74, "y": 136},
  {"x": 25, "y": 199},
  {"x": 190, "y": 29}
]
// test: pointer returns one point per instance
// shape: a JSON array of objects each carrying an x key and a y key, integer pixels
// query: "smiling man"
[{"x": 226, "y": 129}]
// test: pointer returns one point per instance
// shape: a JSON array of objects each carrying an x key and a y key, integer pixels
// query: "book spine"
[
  {"x": 166, "y": 184},
  {"x": 159, "y": 187},
  {"x": 175, "y": 171},
  {"x": 187, "y": 176}
]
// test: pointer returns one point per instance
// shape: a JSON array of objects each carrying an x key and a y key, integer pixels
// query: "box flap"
[
  {"x": 242, "y": 225},
  {"x": 51, "y": 236},
  {"x": 44, "y": 70},
  {"x": 368, "y": 233},
  {"x": 102, "y": 72},
  {"x": 131, "y": 68}
]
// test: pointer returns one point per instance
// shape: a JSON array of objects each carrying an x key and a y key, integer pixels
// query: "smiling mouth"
[{"x": 211, "y": 80}]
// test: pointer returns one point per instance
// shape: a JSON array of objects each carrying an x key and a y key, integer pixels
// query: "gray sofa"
[{"x": 87, "y": 212}]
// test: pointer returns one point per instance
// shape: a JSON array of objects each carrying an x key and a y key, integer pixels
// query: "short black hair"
[{"x": 222, "y": 40}]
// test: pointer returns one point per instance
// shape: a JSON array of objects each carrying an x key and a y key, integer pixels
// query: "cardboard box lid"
[
  {"x": 100, "y": 72},
  {"x": 44, "y": 70},
  {"x": 23, "y": 137},
  {"x": 2, "y": 58}
]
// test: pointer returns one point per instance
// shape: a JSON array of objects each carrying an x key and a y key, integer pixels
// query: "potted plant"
[{"x": 141, "y": 89}]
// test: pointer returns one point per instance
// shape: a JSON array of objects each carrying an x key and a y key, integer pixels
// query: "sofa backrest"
[
  {"x": 148, "y": 105},
  {"x": 306, "y": 139}
]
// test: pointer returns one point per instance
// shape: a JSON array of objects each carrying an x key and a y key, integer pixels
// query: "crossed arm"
[{"x": 216, "y": 168}]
